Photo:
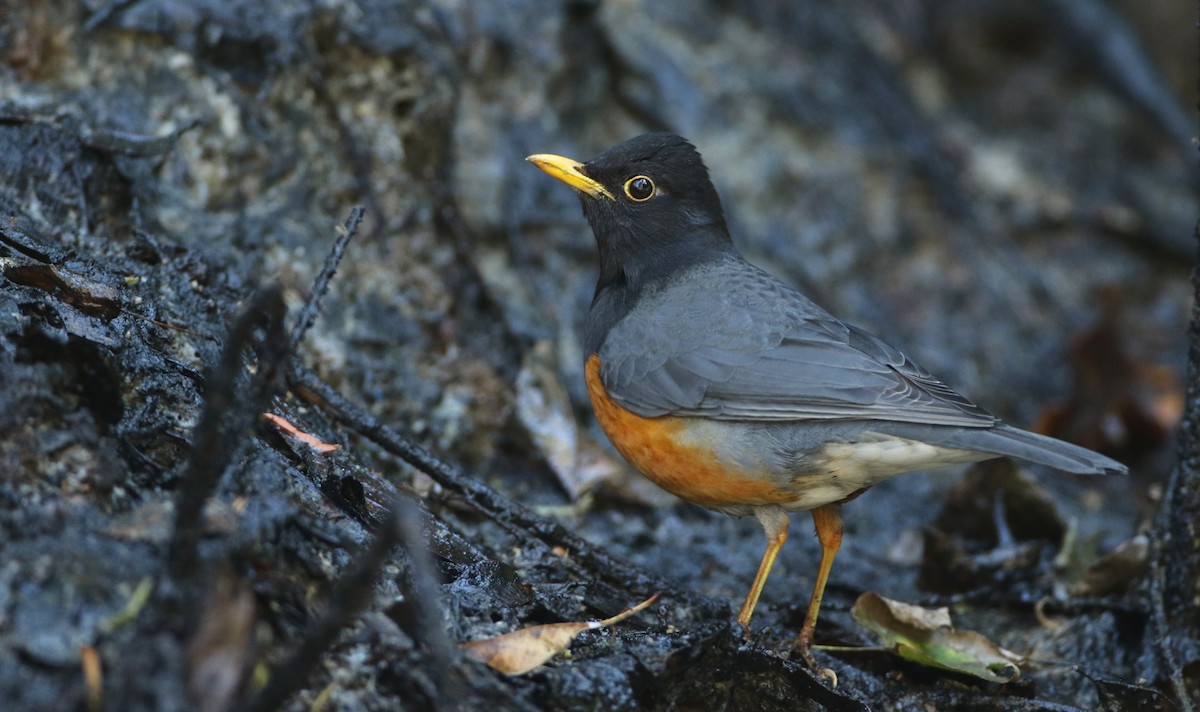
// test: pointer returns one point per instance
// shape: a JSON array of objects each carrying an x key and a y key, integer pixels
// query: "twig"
[
  {"x": 350, "y": 596},
  {"x": 486, "y": 500},
  {"x": 1165, "y": 629},
  {"x": 308, "y": 314},
  {"x": 131, "y": 144},
  {"x": 228, "y": 414},
  {"x": 424, "y": 595},
  {"x": 1106, "y": 40}
]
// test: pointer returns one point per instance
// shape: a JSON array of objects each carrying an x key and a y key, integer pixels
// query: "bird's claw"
[
  {"x": 804, "y": 648},
  {"x": 827, "y": 675}
]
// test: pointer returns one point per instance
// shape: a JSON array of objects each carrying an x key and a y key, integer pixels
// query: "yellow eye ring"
[{"x": 639, "y": 189}]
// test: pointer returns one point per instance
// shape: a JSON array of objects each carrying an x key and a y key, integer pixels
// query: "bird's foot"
[
  {"x": 747, "y": 632},
  {"x": 803, "y": 647}
]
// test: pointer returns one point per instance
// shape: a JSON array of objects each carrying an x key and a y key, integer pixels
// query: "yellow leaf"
[{"x": 522, "y": 650}]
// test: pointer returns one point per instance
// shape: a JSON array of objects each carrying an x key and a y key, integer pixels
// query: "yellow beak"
[{"x": 568, "y": 171}]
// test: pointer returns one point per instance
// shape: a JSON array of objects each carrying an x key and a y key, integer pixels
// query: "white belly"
[{"x": 841, "y": 469}]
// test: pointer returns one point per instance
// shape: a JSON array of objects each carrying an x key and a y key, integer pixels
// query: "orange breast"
[{"x": 662, "y": 450}]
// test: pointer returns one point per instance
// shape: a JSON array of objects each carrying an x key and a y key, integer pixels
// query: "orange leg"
[
  {"x": 775, "y": 525},
  {"x": 828, "y": 521}
]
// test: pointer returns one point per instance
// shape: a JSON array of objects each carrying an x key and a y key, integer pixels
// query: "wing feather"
[{"x": 754, "y": 349}]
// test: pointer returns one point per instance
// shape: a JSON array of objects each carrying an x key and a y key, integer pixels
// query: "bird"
[{"x": 732, "y": 390}]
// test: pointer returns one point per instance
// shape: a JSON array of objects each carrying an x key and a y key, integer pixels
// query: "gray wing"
[{"x": 751, "y": 348}]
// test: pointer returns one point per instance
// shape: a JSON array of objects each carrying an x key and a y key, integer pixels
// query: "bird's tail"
[{"x": 1022, "y": 444}]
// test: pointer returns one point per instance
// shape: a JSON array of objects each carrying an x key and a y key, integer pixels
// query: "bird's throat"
[{"x": 630, "y": 260}]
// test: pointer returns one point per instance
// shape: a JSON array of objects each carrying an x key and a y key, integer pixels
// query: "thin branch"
[
  {"x": 229, "y": 412},
  {"x": 486, "y": 500},
  {"x": 352, "y": 593},
  {"x": 1166, "y": 628},
  {"x": 308, "y": 314}
]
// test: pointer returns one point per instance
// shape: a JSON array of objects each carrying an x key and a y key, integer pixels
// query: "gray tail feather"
[{"x": 1022, "y": 444}]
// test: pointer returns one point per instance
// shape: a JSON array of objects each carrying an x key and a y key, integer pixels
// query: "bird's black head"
[{"x": 650, "y": 204}]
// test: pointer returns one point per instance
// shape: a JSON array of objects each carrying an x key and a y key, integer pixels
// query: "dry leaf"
[
  {"x": 544, "y": 410},
  {"x": 522, "y": 650},
  {"x": 906, "y": 614},
  {"x": 995, "y": 523},
  {"x": 1119, "y": 404},
  {"x": 1117, "y": 570},
  {"x": 87, "y": 295},
  {"x": 288, "y": 429},
  {"x": 927, "y": 637},
  {"x": 220, "y": 654}
]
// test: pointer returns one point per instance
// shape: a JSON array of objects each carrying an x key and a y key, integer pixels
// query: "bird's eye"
[{"x": 639, "y": 188}]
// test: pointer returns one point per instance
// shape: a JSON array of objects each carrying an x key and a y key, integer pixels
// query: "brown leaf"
[
  {"x": 906, "y": 614},
  {"x": 1117, "y": 570},
  {"x": 85, "y": 294},
  {"x": 221, "y": 652},
  {"x": 1118, "y": 404},
  {"x": 994, "y": 524},
  {"x": 996, "y": 495},
  {"x": 523, "y": 650}
]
